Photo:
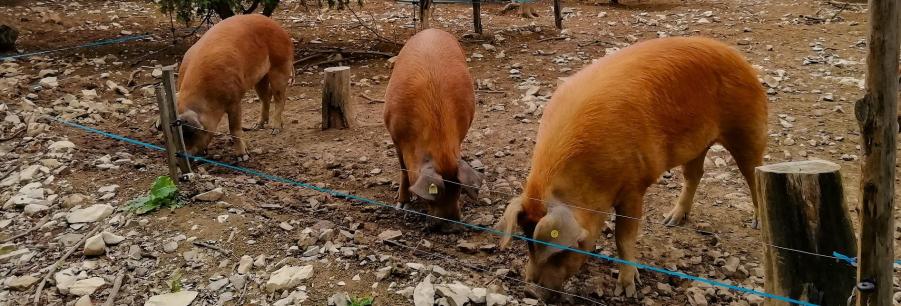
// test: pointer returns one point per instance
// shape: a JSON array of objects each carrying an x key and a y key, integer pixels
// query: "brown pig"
[
  {"x": 613, "y": 128},
  {"x": 235, "y": 55},
  {"x": 429, "y": 106}
]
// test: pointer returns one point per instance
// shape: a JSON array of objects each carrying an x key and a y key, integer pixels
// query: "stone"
[
  {"x": 424, "y": 293},
  {"x": 20, "y": 283},
  {"x": 260, "y": 262},
  {"x": 64, "y": 279},
  {"x": 94, "y": 246},
  {"x": 49, "y": 82},
  {"x": 170, "y": 246},
  {"x": 389, "y": 235},
  {"x": 61, "y": 145},
  {"x": 111, "y": 239},
  {"x": 90, "y": 214},
  {"x": 288, "y": 277},
  {"x": 244, "y": 264},
  {"x": 181, "y": 298},
  {"x": 495, "y": 299},
  {"x": 478, "y": 295},
  {"x": 84, "y": 300},
  {"x": 210, "y": 196},
  {"x": 86, "y": 286},
  {"x": 456, "y": 294},
  {"x": 338, "y": 299},
  {"x": 217, "y": 284},
  {"x": 73, "y": 200},
  {"x": 696, "y": 296},
  {"x": 34, "y": 209}
]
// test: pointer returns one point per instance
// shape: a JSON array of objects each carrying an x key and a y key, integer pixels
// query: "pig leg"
[
  {"x": 403, "y": 194},
  {"x": 278, "y": 85},
  {"x": 627, "y": 225},
  {"x": 691, "y": 172},
  {"x": 263, "y": 91},
  {"x": 748, "y": 158},
  {"x": 234, "y": 126}
]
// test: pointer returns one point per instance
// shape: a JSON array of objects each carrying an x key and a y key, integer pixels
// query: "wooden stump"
[
  {"x": 558, "y": 15},
  {"x": 803, "y": 208},
  {"x": 425, "y": 13},
  {"x": 336, "y": 99},
  {"x": 477, "y": 16},
  {"x": 8, "y": 37}
]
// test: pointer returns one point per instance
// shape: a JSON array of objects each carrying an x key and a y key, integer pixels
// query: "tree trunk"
[
  {"x": 222, "y": 8},
  {"x": 877, "y": 116},
  {"x": 336, "y": 99},
  {"x": 803, "y": 208},
  {"x": 558, "y": 15},
  {"x": 477, "y": 16},
  {"x": 270, "y": 6}
]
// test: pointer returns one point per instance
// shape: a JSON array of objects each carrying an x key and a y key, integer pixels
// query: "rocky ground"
[{"x": 245, "y": 240}]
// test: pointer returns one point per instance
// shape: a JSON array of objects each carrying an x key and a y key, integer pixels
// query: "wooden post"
[
  {"x": 175, "y": 144},
  {"x": 876, "y": 115},
  {"x": 803, "y": 208},
  {"x": 165, "y": 123},
  {"x": 336, "y": 99},
  {"x": 558, "y": 15},
  {"x": 477, "y": 16},
  {"x": 425, "y": 7}
]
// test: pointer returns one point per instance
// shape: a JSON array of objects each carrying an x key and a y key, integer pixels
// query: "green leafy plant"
[
  {"x": 163, "y": 193},
  {"x": 174, "y": 281},
  {"x": 361, "y": 301}
]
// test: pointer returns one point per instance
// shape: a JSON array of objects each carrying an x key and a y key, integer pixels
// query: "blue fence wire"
[
  {"x": 852, "y": 260},
  {"x": 98, "y": 43},
  {"x": 364, "y": 200}
]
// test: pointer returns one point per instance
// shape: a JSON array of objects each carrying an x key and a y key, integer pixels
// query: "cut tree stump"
[
  {"x": 803, "y": 208},
  {"x": 336, "y": 99}
]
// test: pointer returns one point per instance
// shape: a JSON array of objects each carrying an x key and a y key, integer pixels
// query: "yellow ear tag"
[
  {"x": 555, "y": 234},
  {"x": 433, "y": 189}
]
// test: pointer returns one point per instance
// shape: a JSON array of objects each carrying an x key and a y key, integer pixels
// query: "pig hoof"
[
  {"x": 275, "y": 131},
  {"x": 243, "y": 158},
  {"x": 755, "y": 224},
  {"x": 674, "y": 219}
]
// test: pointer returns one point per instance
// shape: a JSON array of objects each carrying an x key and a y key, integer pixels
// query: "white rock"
[
  {"x": 61, "y": 145},
  {"x": 424, "y": 293},
  {"x": 181, "y": 298},
  {"x": 288, "y": 277},
  {"x": 456, "y": 294},
  {"x": 478, "y": 295},
  {"x": 64, "y": 279},
  {"x": 244, "y": 264},
  {"x": 28, "y": 173},
  {"x": 20, "y": 282},
  {"x": 49, "y": 82},
  {"x": 210, "y": 196},
  {"x": 84, "y": 301},
  {"x": 94, "y": 246},
  {"x": 496, "y": 299},
  {"x": 86, "y": 286},
  {"x": 34, "y": 209},
  {"x": 111, "y": 239},
  {"x": 696, "y": 296},
  {"x": 91, "y": 214},
  {"x": 260, "y": 261},
  {"x": 390, "y": 234}
]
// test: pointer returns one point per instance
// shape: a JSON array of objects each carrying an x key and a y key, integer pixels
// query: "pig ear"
[
  {"x": 508, "y": 220},
  {"x": 429, "y": 184},
  {"x": 470, "y": 179},
  {"x": 560, "y": 227}
]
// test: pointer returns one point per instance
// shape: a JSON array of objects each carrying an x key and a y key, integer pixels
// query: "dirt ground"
[{"x": 810, "y": 55}]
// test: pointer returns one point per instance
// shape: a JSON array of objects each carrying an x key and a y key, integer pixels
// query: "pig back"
[
  {"x": 430, "y": 100},
  {"x": 236, "y": 53},
  {"x": 646, "y": 108}
]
